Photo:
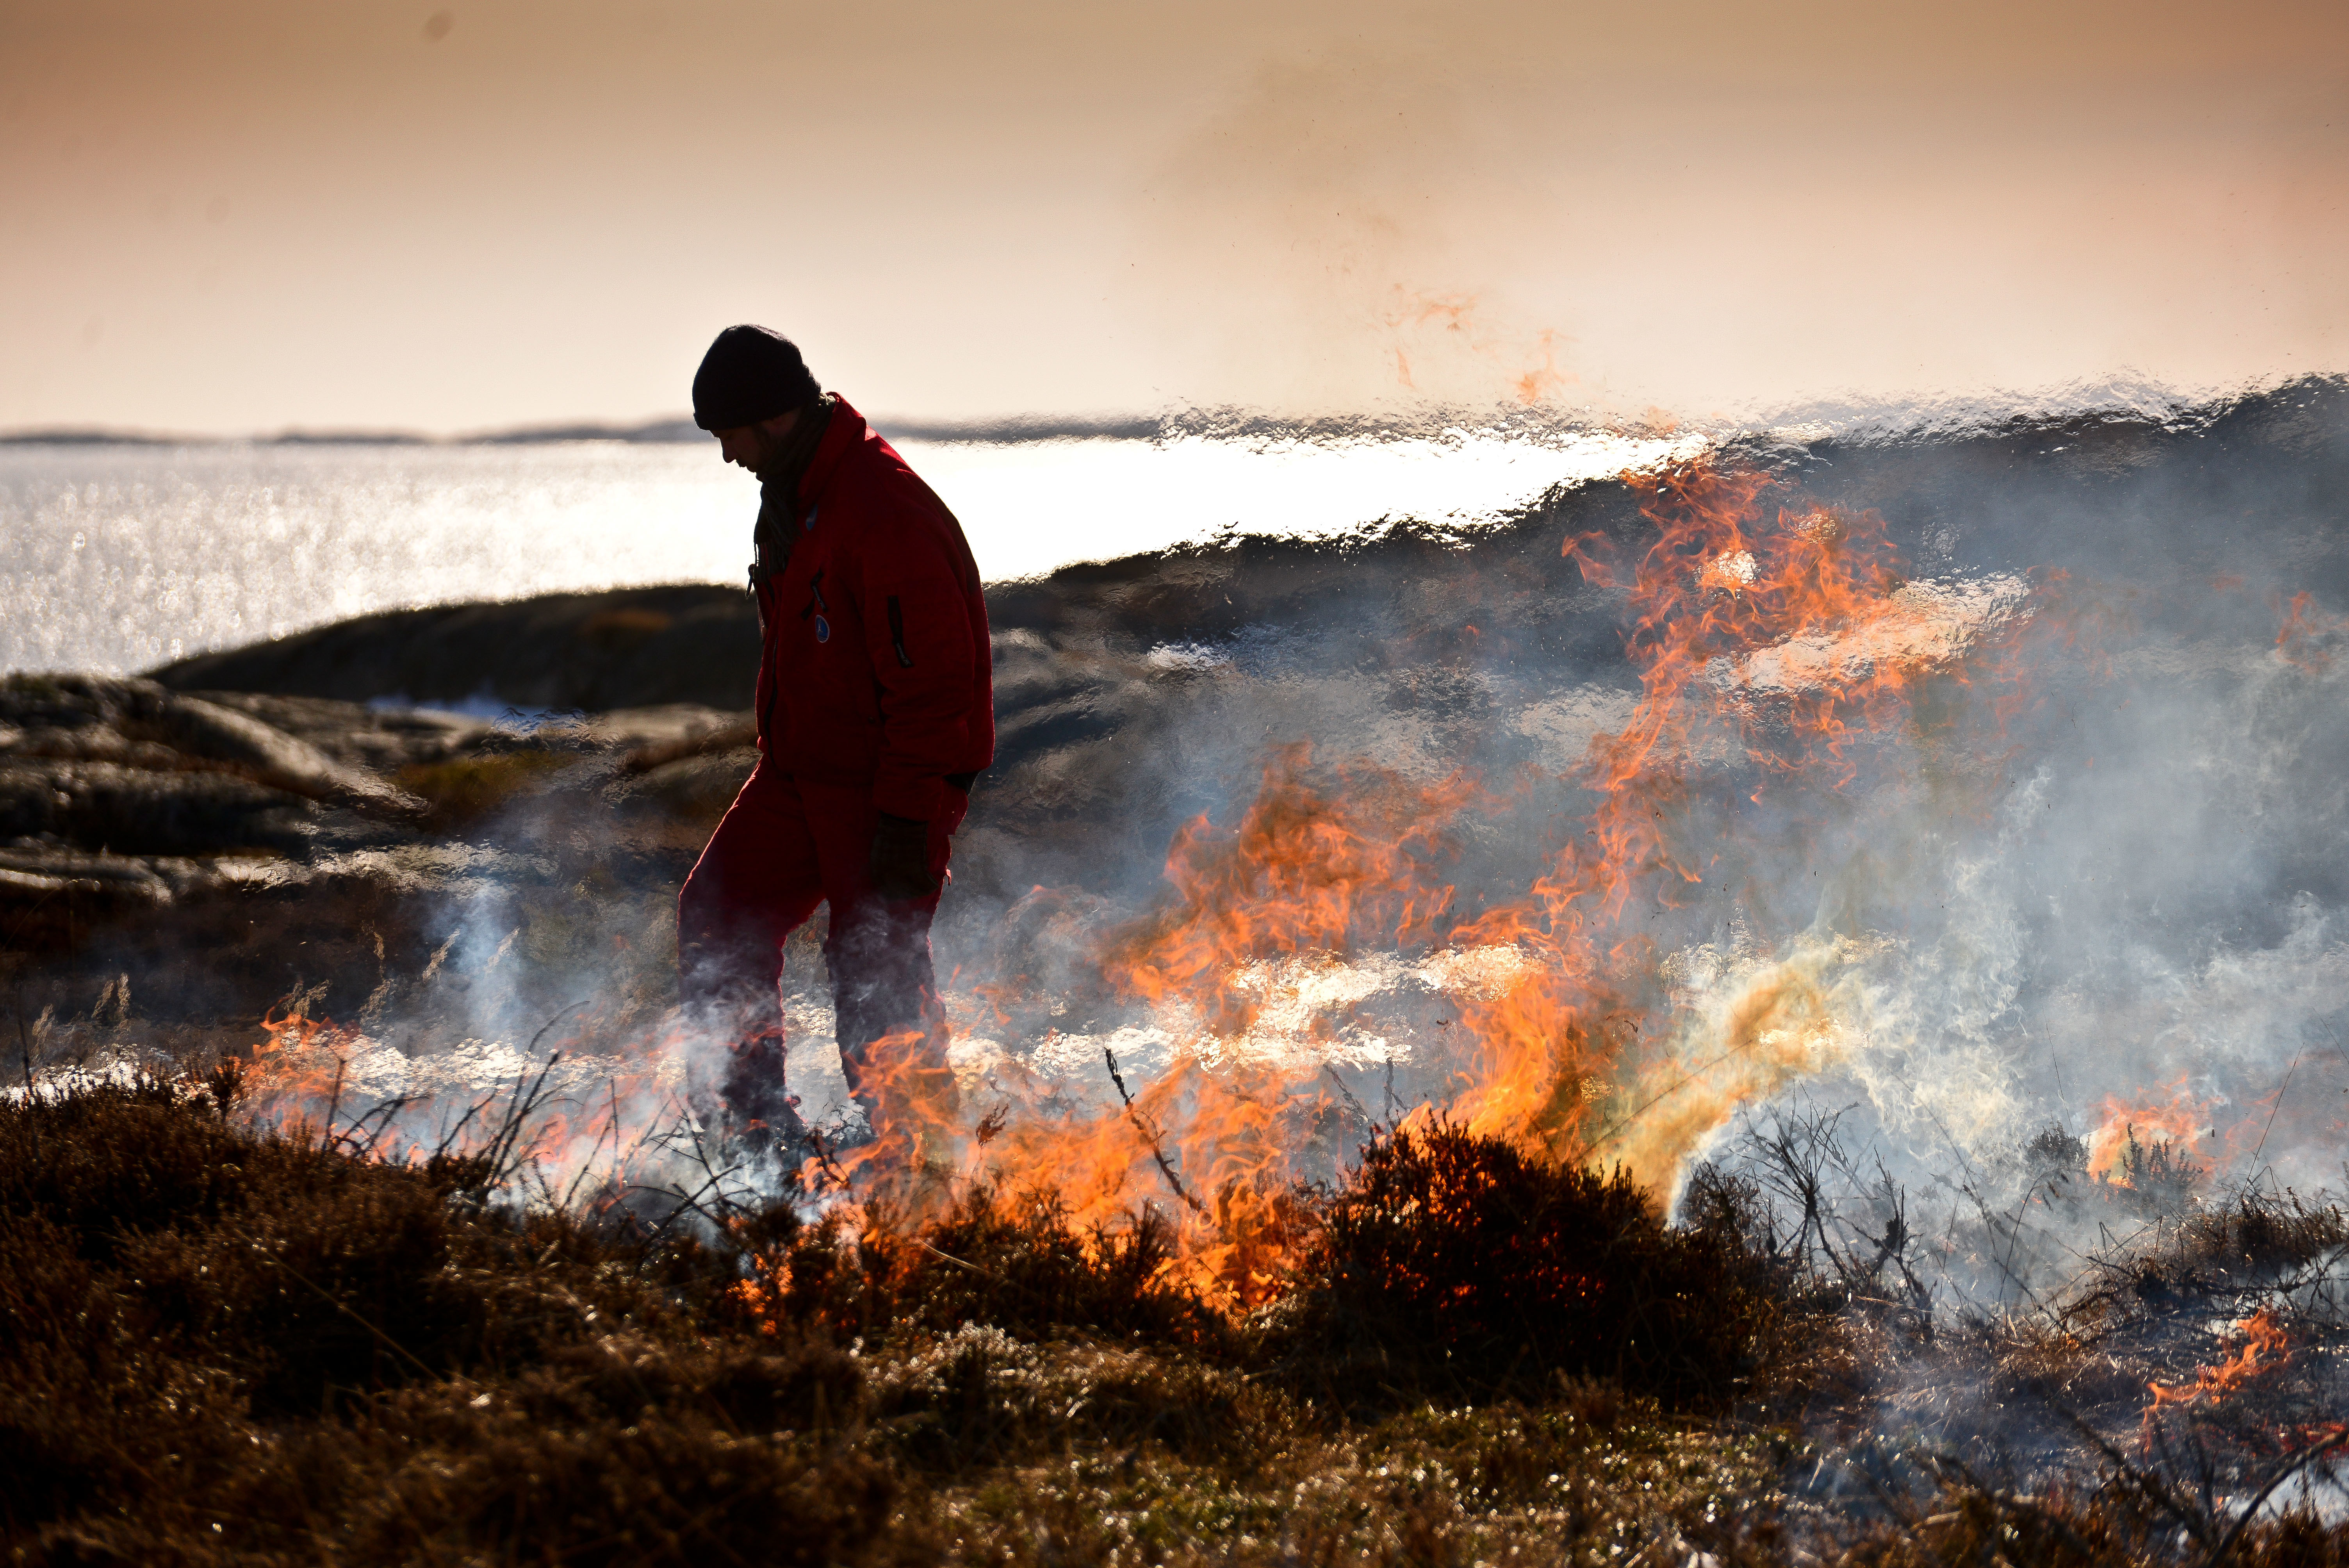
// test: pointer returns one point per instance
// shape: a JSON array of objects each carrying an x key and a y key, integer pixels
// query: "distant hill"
[
  {"x": 679, "y": 429},
  {"x": 628, "y": 647}
]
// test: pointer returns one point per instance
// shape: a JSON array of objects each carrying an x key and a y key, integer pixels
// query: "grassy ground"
[
  {"x": 224, "y": 1345},
  {"x": 462, "y": 790}
]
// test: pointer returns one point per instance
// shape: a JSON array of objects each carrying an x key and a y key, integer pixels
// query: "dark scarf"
[{"x": 779, "y": 489}]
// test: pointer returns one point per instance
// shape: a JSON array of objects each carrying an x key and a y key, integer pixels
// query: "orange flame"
[
  {"x": 2309, "y": 638},
  {"x": 2175, "y": 1123},
  {"x": 1788, "y": 641},
  {"x": 1783, "y": 639},
  {"x": 915, "y": 1108},
  {"x": 2266, "y": 1348},
  {"x": 296, "y": 1073},
  {"x": 1298, "y": 874}
]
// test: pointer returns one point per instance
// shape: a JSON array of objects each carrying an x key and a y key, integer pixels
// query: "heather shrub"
[
  {"x": 219, "y": 1343},
  {"x": 1448, "y": 1265},
  {"x": 225, "y": 1345},
  {"x": 993, "y": 1256}
]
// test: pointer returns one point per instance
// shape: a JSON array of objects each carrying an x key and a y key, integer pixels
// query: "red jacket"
[{"x": 876, "y": 668}]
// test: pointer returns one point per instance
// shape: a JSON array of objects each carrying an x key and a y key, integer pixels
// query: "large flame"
[
  {"x": 1783, "y": 640},
  {"x": 1786, "y": 640},
  {"x": 1782, "y": 643}
]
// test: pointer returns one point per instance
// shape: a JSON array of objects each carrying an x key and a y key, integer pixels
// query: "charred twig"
[
  {"x": 448, "y": 1139},
  {"x": 693, "y": 1201},
  {"x": 612, "y": 1130},
  {"x": 560, "y": 1013},
  {"x": 1360, "y": 1109},
  {"x": 334, "y": 1106},
  {"x": 523, "y": 1104},
  {"x": 700, "y": 1154},
  {"x": 382, "y": 1116},
  {"x": 2299, "y": 1462},
  {"x": 960, "y": 1262},
  {"x": 823, "y": 1158},
  {"x": 1149, "y": 1136},
  {"x": 508, "y": 1136},
  {"x": 2275, "y": 1107},
  {"x": 2146, "y": 1483},
  {"x": 690, "y": 1201},
  {"x": 587, "y": 1164},
  {"x": 2011, "y": 1234},
  {"x": 1795, "y": 1156},
  {"x": 1892, "y": 1247},
  {"x": 24, "y": 1037}
]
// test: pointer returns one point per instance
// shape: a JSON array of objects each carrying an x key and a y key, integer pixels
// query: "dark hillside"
[{"x": 630, "y": 647}]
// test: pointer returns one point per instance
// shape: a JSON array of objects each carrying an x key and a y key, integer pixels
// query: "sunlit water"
[{"x": 119, "y": 558}]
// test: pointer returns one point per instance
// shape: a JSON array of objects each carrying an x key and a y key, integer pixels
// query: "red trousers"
[{"x": 785, "y": 846}]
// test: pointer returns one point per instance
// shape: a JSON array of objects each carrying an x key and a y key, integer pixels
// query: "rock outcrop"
[
  {"x": 237, "y": 844},
  {"x": 636, "y": 647}
]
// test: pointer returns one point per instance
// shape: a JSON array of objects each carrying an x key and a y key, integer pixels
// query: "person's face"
[{"x": 749, "y": 445}]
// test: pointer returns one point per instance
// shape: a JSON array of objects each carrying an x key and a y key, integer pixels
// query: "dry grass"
[
  {"x": 223, "y": 1345},
  {"x": 464, "y": 790}
]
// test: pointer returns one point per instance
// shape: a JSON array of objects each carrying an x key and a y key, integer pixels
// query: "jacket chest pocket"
[{"x": 817, "y": 611}]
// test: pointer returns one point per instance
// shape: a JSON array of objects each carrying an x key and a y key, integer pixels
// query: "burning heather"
[{"x": 1827, "y": 951}]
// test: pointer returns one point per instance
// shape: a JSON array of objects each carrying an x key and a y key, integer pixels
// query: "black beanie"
[{"x": 748, "y": 376}]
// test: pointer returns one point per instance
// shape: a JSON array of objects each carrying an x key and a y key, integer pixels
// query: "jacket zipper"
[{"x": 774, "y": 677}]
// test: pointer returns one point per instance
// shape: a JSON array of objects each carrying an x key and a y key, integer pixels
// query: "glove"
[{"x": 900, "y": 863}]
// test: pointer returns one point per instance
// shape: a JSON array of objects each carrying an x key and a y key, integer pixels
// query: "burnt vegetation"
[{"x": 224, "y": 1344}]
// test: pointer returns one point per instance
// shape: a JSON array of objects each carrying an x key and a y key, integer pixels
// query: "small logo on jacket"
[
  {"x": 807, "y": 523},
  {"x": 822, "y": 630}
]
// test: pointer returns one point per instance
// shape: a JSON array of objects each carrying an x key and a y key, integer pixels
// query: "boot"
[{"x": 762, "y": 1116}]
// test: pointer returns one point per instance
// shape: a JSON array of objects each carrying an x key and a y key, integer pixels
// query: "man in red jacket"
[{"x": 875, "y": 713}]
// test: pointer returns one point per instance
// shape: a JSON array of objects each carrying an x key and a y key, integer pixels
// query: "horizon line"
[{"x": 2123, "y": 393}]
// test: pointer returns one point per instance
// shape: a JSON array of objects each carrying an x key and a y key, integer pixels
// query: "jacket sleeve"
[{"x": 918, "y": 633}]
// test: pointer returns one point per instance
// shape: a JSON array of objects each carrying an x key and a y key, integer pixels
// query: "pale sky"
[{"x": 233, "y": 217}]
